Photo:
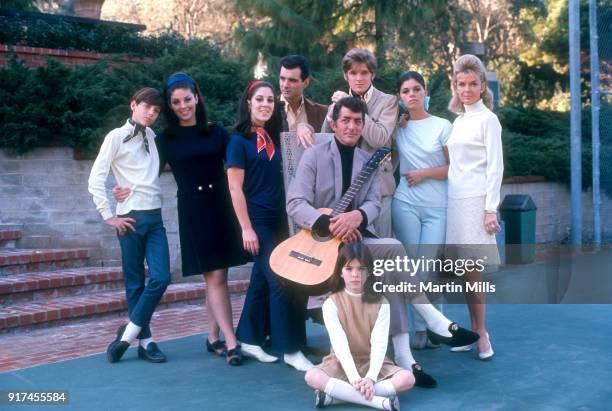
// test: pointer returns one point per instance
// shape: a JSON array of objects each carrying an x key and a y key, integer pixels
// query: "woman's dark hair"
[
  {"x": 177, "y": 81},
  {"x": 355, "y": 251},
  {"x": 410, "y": 75},
  {"x": 273, "y": 126}
]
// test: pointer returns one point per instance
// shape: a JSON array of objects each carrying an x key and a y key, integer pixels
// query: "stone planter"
[{"x": 88, "y": 8}]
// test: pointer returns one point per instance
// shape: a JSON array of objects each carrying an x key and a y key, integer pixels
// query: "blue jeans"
[
  {"x": 149, "y": 242},
  {"x": 422, "y": 231}
]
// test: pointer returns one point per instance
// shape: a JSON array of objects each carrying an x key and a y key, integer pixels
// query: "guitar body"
[
  {"x": 308, "y": 259},
  {"x": 305, "y": 259}
]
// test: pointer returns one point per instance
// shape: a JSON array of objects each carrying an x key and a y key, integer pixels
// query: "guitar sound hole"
[{"x": 321, "y": 238}]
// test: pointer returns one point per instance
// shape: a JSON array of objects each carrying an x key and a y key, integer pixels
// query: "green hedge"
[
  {"x": 103, "y": 38},
  {"x": 77, "y": 107},
  {"x": 537, "y": 142}
]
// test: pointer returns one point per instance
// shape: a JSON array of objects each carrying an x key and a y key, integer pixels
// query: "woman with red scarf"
[{"x": 271, "y": 309}]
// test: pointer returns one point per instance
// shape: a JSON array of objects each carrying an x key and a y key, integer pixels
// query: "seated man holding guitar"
[{"x": 338, "y": 174}]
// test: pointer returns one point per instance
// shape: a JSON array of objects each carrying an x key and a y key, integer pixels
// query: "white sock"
[
  {"x": 344, "y": 391},
  {"x": 131, "y": 332},
  {"x": 257, "y": 352},
  {"x": 384, "y": 388},
  {"x": 298, "y": 361},
  {"x": 436, "y": 321},
  {"x": 403, "y": 355},
  {"x": 145, "y": 341}
]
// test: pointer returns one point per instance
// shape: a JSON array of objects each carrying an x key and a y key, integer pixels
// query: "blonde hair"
[{"x": 469, "y": 63}]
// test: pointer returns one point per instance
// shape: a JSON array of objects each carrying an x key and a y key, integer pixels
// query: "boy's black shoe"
[
  {"x": 152, "y": 353},
  {"x": 117, "y": 348}
]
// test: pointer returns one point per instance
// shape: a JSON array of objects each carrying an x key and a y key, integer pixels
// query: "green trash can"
[{"x": 519, "y": 213}]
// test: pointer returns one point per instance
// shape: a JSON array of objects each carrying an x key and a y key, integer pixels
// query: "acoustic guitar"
[{"x": 309, "y": 259}]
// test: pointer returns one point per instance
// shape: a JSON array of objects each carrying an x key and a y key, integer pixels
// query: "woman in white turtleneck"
[{"x": 474, "y": 183}]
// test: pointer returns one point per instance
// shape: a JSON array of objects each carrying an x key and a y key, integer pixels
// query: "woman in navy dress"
[
  {"x": 208, "y": 230},
  {"x": 271, "y": 308}
]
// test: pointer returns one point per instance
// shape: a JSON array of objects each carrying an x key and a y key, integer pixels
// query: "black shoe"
[
  {"x": 120, "y": 332},
  {"x": 152, "y": 353},
  {"x": 116, "y": 349},
  {"x": 234, "y": 356},
  {"x": 394, "y": 403},
  {"x": 218, "y": 347},
  {"x": 459, "y": 336},
  {"x": 421, "y": 378},
  {"x": 320, "y": 398}
]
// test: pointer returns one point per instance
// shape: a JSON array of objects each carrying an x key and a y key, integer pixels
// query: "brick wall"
[
  {"x": 36, "y": 56},
  {"x": 45, "y": 191}
]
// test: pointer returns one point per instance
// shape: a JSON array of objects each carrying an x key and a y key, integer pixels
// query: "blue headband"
[{"x": 179, "y": 78}]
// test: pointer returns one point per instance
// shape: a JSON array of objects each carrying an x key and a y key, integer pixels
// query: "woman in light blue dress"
[{"x": 419, "y": 203}]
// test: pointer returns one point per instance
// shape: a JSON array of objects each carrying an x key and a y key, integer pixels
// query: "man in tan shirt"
[
  {"x": 304, "y": 116},
  {"x": 359, "y": 67}
]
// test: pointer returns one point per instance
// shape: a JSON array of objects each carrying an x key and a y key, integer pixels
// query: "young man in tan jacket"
[{"x": 359, "y": 67}]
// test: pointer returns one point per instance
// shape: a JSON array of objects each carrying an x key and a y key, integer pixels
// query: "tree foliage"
[
  {"x": 209, "y": 19},
  {"x": 525, "y": 41}
]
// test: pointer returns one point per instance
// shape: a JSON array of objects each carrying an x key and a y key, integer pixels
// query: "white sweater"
[
  {"x": 132, "y": 167},
  {"x": 476, "y": 158}
]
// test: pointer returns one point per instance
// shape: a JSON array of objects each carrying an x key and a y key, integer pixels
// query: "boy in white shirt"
[{"x": 130, "y": 152}]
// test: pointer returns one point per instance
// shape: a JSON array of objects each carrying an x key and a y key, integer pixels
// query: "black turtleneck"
[
  {"x": 346, "y": 159},
  {"x": 347, "y": 153}
]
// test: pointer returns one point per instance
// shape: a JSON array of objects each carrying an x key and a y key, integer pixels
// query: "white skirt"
[{"x": 465, "y": 228}]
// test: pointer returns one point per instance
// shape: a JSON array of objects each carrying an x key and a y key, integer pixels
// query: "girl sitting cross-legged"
[{"x": 357, "y": 320}]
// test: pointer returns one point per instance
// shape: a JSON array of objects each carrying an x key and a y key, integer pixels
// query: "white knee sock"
[
  {"x": 403, "y": 355},
  {"x": 131, "y": 332},
  {"x": 145, "y": 341},
  {"x": 344, "y": 391},
  {"x": 436, "y": 321},
  {"x": 384, "y": 388}
]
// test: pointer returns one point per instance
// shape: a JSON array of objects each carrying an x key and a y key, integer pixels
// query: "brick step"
[
  {"x": 14, "y": 261},
  {"x": 59, "y": 310},
  {"x": 8, "y": 238},
  {"x": 23, "y": 288}
]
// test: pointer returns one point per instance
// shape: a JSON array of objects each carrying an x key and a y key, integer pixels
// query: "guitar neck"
[{"x": 363, "y": 176}]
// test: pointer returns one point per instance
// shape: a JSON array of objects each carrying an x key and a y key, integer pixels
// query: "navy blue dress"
[{"x": 208, "y": 229}]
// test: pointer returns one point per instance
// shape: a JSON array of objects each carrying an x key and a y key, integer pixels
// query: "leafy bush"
[
  {"x": 103, "y": 37},
  {"x": 537, "y": 142},
  {"x": 77, "y": 107}
]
